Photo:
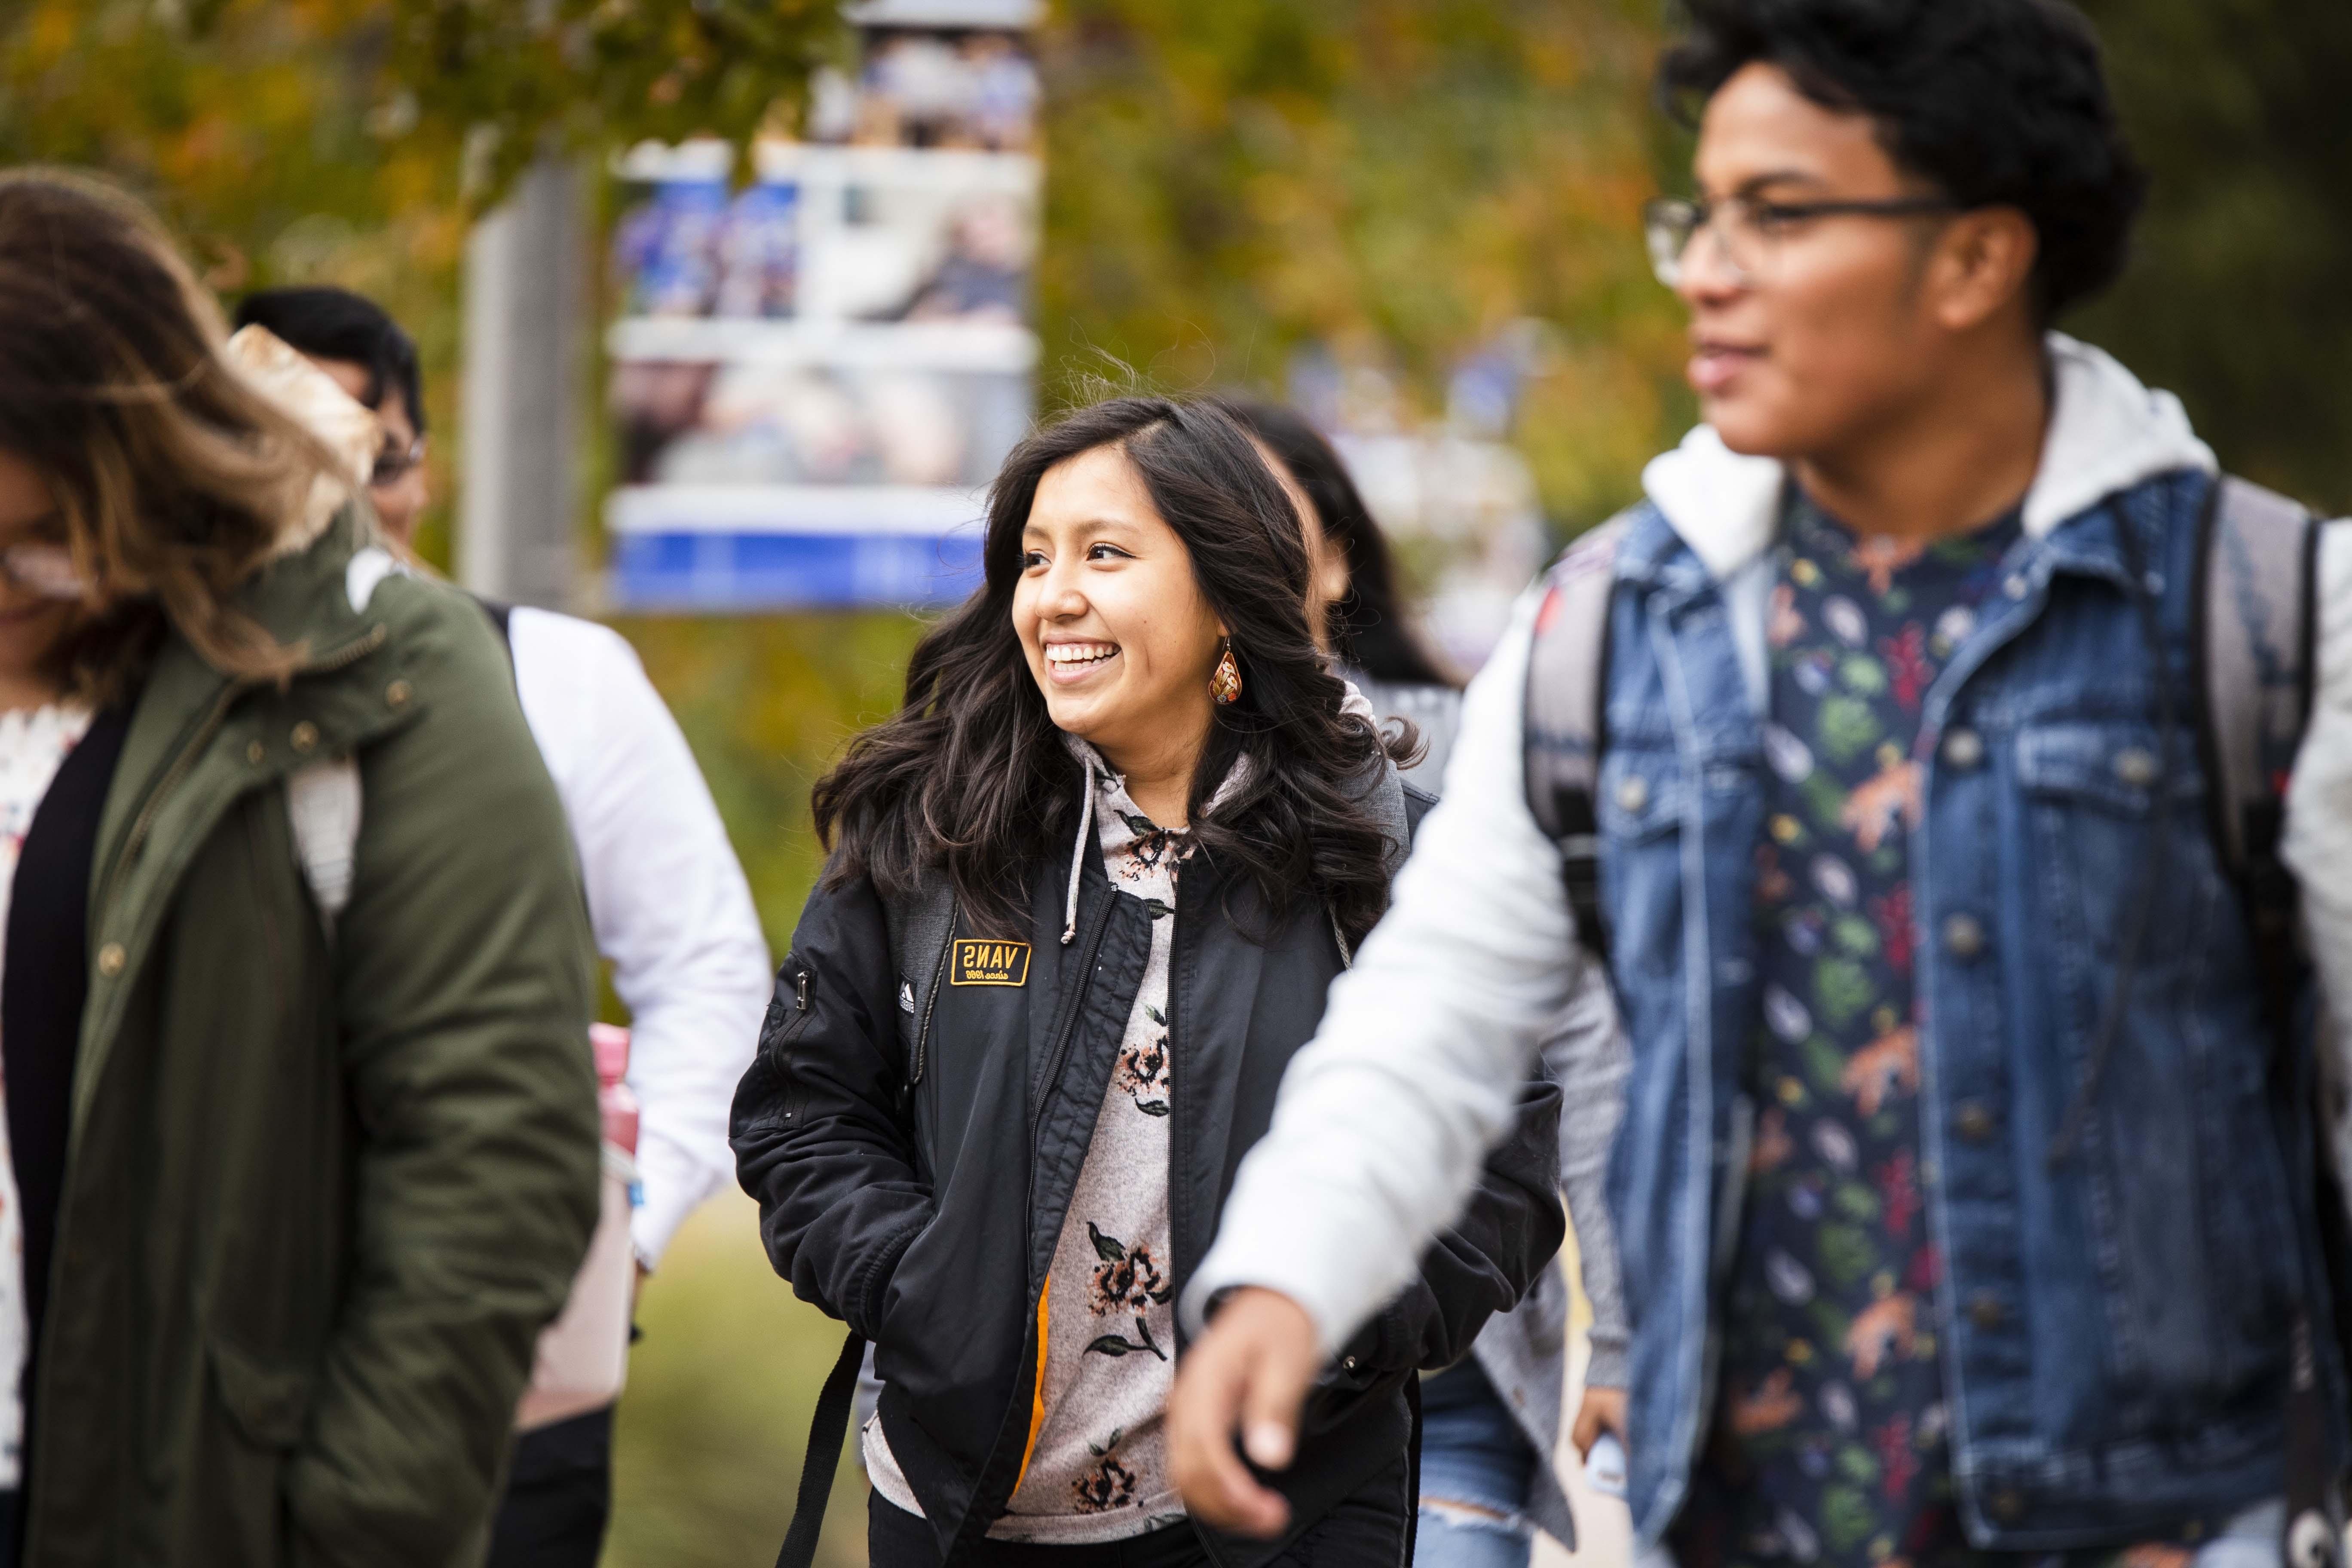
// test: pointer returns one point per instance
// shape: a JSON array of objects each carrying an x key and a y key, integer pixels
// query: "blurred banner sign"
[{"x": 814, "y": 374}]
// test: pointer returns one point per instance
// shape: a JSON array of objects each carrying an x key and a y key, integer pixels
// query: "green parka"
[{"x": 321, "y": 1192}]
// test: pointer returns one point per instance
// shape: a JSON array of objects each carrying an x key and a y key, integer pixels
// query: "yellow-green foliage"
[{"x": 767, "y": 704}]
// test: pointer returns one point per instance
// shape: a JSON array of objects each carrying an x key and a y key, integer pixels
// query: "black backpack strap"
[
  {"x": 826, "y": 1430},
  {"x": 2256, "y": 607},
  {"x": 1566, "y": 716}
]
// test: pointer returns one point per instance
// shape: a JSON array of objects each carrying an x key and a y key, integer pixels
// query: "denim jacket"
[
  {"x": 2113, "y": 1322},
  {"x": 2114, "y": 1327}
]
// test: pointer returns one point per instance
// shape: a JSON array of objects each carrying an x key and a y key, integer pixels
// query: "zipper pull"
[{"x": 800, "y": 991}]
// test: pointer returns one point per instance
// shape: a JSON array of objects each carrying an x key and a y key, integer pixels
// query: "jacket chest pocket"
[
  {"x": 2119, "y": 848},
  {"x": 1642, "y": 801}
]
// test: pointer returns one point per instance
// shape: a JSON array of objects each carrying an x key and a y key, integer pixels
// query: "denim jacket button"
[
  {"x": 1632, "y": 793},
  {"x": 1964, "y": 936},
  {"x": 1963, "y": 750},
  {"x": 2137, "y": 767},
  {"x": 1985, "y": 1311},
  {"x": 1974, "y": 1120}
]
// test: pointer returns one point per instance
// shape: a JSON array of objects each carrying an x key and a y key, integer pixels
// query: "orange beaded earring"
[{"x": 1225, "y": 681}]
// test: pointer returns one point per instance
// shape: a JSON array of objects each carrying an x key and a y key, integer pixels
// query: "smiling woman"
[
  {"x": 1128, "y": 547},
  {"x": 997, "y": 1102}
]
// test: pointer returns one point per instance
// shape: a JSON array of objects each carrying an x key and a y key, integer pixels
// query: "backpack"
[{"x": 2252, "y": 669}]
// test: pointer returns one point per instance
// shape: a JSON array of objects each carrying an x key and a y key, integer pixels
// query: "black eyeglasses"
[
  {"x": 1751, "y": 229},
  {"x": 391, "y": 466}
]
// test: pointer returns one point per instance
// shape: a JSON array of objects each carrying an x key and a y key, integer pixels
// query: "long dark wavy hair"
[
  {"x": 971, "y": 776},
  {"x": 1369, "y": 628}
]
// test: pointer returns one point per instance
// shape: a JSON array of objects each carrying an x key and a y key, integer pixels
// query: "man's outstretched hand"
[{"x": 1249, "y": 1374}]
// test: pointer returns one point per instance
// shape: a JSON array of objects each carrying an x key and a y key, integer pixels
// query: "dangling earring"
[{"x": 1225, "y": 681}]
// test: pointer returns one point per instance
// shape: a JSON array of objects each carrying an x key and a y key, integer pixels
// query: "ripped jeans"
[{"x": 1475, "y": 1467}]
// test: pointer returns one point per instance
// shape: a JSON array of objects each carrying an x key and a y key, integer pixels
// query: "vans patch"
[{"x": 989, "y": 963}]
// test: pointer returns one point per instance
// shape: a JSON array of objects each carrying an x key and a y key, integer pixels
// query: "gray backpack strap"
[
  {"x": 2257, "y": 618},
  {"x": 2257, "y": 609},
  {"x": 1565, "y": 715}
]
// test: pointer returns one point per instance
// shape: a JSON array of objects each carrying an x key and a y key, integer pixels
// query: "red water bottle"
[{"x": 614, "y": 1098}]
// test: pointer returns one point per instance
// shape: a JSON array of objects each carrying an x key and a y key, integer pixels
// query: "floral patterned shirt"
[{"x": 33, "y": 742}]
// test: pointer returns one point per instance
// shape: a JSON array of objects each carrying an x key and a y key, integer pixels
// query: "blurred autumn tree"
[
  {"x": 1395, "y": 180},
  {"x": 2236, "y": 299},
  {"x": 348, "y": 141}
]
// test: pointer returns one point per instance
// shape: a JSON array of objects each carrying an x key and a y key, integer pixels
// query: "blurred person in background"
[
  {"x": 302, "y": 1153},
  {"x": 1086, "y": 892},
  {"x": 1948, "y": 879},
  {"x": 367, "y": 355},
  {"x": 1492, "y": 1422},
  {"x": 1355, "y": 607},
  {"x": 670, "y": 907}
]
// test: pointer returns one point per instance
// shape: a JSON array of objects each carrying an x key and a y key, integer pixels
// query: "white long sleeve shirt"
[
  {"x": 666, "y": 897},
  {"x": 1384, "y": 1117}
]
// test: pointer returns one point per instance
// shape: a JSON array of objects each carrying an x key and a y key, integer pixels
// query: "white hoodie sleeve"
[
  {"x": 665, "y": 896},
  {"x": 1386, "y": 1116}
]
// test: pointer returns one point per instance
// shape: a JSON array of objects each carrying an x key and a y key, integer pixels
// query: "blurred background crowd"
[{"x": 829, "y": 267}]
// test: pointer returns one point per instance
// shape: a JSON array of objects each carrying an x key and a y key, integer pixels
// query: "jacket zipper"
[
  {"x": 1064, "y": 1028},
  {"x": 932, "y": 1002},
  {"x": 349, "y": 653}
]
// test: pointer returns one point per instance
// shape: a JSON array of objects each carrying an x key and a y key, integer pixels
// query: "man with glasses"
[
  {"x": 1964, "y": 1193},
  {"x": 351, "y": 339},
  {"x": 668, "y": 899}
]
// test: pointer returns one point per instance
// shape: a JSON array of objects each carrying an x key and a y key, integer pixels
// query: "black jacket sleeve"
[
  {"x": 1507, "y": 1235},
  {"x": 818, "y": 1129}
]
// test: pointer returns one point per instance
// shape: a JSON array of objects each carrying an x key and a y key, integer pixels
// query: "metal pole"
[{"x": 524, "y": 316}]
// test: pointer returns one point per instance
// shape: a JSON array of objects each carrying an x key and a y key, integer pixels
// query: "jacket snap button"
[
  {"x": 397, "y": 694},
  {"x": 1350, "y": 1364},
  {"x": 1963, "y": 749},
  {"x": 1632, "y": 793},
  {"x": 255, "y": 752},
  {"x": 1974, "y": 1120},
  {"x": 2007, "y": 1505},
  {"x": 1985, "y": 1311},
  {"x": 305, "y": 737},
  {"x": 2015, "y": 586},
  {"x": 2136, "y": 767},
  {"x": 110, "y": 959},
  {"x": 1964, "y": 936}
]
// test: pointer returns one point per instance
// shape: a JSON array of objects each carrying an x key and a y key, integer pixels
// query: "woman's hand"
[{"x": 1603, "y": 1410}]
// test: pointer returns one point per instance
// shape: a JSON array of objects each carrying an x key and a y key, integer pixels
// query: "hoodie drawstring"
[{"x": 1079, "y": 858}]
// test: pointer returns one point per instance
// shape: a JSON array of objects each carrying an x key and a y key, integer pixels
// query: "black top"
[{"x": 43, "y": 985}]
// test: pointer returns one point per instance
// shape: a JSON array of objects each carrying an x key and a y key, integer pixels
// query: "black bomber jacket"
[{"x": 913, "y": 1144}]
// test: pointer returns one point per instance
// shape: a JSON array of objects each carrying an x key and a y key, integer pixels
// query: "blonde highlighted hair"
[{"x": 176, "y": 476}]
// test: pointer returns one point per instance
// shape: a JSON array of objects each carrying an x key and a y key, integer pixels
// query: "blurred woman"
[
  {"x": 300, "y": 1125},
  {"x": 1086, "y": 892},
  {"x": 1492, "y": 1423},
  {"x": 1354, "y": 607}
]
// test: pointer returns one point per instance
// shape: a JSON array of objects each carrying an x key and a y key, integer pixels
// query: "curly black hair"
[
  {"x": 1996, "y": 103},
  {"x": 971, "y": 777}
]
